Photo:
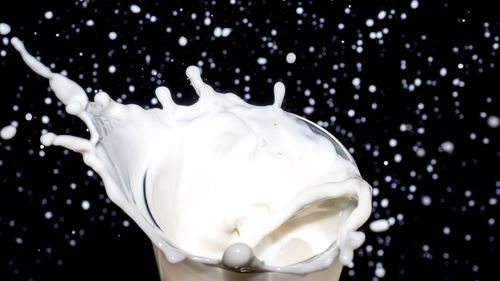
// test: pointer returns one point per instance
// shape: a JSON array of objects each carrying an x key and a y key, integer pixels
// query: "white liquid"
[
  {"x": 4, "y": 28},
  {"x": 380, "y": 225},
  {"x": 221, "y": 173},
  {"x": 8, "y": 132}
]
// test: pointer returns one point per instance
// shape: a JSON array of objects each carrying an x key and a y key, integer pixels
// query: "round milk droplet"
[
  {"x": 85, "y": 204},
  {"x": 379, "y": 225},
  {"x": 8, "y": 132},
  {"x": 183, "y": 41},
  {"x": 4, "y": 28},
  {"x": 48, "y": 215},
  {"x": 356, "y": 82},
  {"x": 493, "y": 121},
  {"x": 218, "y": 32},
  {"x": 237, "y": 256},
  {"x": 426, "y": 200},
  {"x": 291, "y": 57},
  {"x": 49, "y": 15},
  {"x": 380, "y": 272},
  {"x": 414, "y": 4},
  {"x": 112, "y": 35}
]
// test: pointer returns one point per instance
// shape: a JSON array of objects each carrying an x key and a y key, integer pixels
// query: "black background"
[{"x": 46, "y": 234}]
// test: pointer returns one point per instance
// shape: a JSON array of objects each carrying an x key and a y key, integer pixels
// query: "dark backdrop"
[{"x": 396, "y": 81}]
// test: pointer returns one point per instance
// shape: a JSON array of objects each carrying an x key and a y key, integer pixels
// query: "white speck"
[
  {"x": 443, "y": 71},
  {"x": 426, "y": 200},
  {"x": 493, "y": 121},
  {"x": 384, "y": 203},
  {"x": 291, "y": 57},
  {"x": 112, "y": 35},
  {"x": 398, "y": 158},
  {"x": 420, "y": 152},
  {"x": 351, "y": 112},
  {"x": 28, "y": 117},
  {"x": 262, "y": 61},
  {"x": 380, "y": 272},
  {"x": 341, "y": 26},
  {"x": 8, "y": 132},
  {"x": 492, "y": 201},
  {"x": 183, "y": 41},
  {"x": 372, "y": 88},
  {"x": 4, "y": 29},
  {"x": 49, "y": 15},
  {"x": 226, "y": 31},
  {"x": 299, "y": 10},
  {"x": 85, "y": 204},
  {"x": 393, "y": 143},
  {"x": 369, "y": 22},
  {"x": 48, "y": 215},
  {"x": 414, "y": 4},
  {"x": 19, "y": 240},
  {"x": 381, "y": 15},
  {"x": 90, "y": 23},
  {"x": 207, "y": 21},
  {"x": 217, "y": 32},
  {"x": 112, "y": 69},
  {"x": 446, "y": 230},
  {"x": 135, "y": 9},
  {"x": 447, "y": 147},
  {"x": 126, "y": 223},
  {"x": 45, "y": 119},
  {"x": 379, "y": 225},
  {"x": 308, "y": 110},
  {"x": 356, "y": 82}
]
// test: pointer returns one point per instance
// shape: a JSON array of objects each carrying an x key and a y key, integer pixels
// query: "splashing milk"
[{"x": 221, "y": 182}]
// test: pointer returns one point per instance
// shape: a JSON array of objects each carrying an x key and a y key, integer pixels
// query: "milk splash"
[{"x": 128, "y": 147}]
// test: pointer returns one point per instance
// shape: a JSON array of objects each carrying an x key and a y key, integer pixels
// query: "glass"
[{"x": 194, "y": 268}]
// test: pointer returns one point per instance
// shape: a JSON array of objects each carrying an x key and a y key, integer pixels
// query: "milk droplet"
[
  {"x": 379, "y": 225},
  {"x": 237, "y": 255},
  {"x": 447, "y": 147},
  {"x": 426, "y": 200},
  {"x": 261, "y": 60},
  {"x": 49, "y": 15},
  {"x": 85, "y": 204},
  {"x": 290, "y": 58},
  {"x": 493, "y": 121},
  {"x": 380, "y": 272},
  {"x": 135, "y": 9},
  {"x": 8, "y": 132},
  {"x": 4, "y": 28},
  {"x": 183, "y": 41},
  {"x": 414, "y": 4},
  {"x": 112, "y": 35}
]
